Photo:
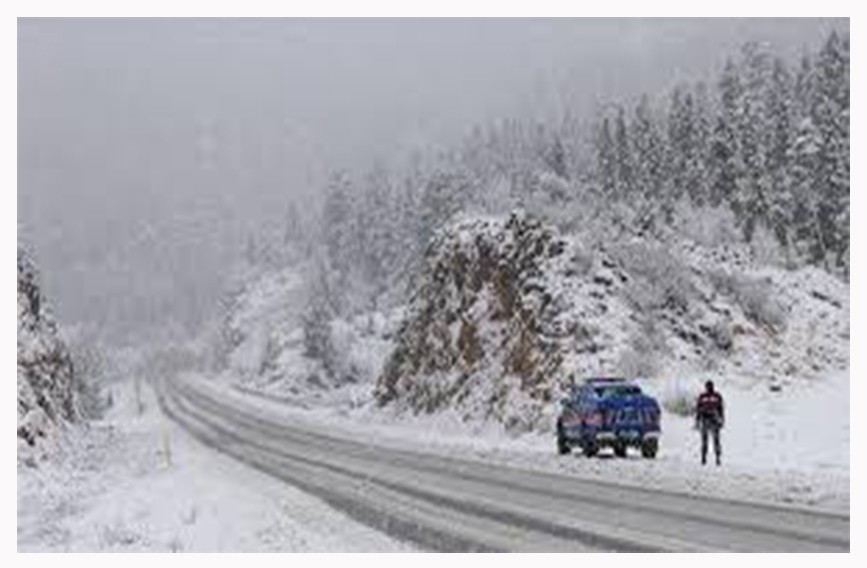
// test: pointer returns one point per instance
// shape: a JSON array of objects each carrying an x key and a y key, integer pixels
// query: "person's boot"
[
  {"x": 718, "y": 459},
  {"x": 703, "y": 459}
]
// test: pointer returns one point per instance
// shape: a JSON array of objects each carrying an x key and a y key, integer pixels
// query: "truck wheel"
[
  {"x": 590, "y": 448},
  {"x": 620, "y": 449},
  {"x": 562, "y": 445},
  {"x": 649, "y": 448}
]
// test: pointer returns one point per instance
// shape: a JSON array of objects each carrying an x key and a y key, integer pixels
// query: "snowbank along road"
[{"x": 447, "y": 504}]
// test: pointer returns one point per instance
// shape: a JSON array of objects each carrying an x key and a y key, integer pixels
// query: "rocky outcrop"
[
  {"x": 482, "y": 333},
  {"x": 46, "y": 382}
]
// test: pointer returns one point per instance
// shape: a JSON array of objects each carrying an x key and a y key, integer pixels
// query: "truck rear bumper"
[{"x": 630, "y": 438}]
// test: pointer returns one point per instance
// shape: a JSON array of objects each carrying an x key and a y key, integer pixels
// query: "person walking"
[{"x": 709, "y": 420}]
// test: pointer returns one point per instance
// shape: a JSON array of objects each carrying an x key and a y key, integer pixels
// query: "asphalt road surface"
[{"x": 447, "y": 504}]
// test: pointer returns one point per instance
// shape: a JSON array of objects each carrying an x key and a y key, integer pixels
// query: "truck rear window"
[{"x": 609, "y": 391}]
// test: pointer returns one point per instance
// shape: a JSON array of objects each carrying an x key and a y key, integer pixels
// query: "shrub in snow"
[
  {"x": 709, "y": 226},
  {"x": 640, "y": 358},
  {"x": 754, "y": 296},
  {"x": 766, "y": 249},
  {"x": 658, "y": 278},
  {"x": 721, "y": 335},
  {"x": 637, "y": 363},
  {"x": 92, "y": 366},
  {"x": 679, "y": 402},
  {"x": 317, "y": 334}
]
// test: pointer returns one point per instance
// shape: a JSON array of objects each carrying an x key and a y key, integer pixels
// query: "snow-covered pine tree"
[
  {"x": 382, "y": 236},
  {"x": 323, "y": 306},
  {"x": 804, "y": 91},
  {"x": 408, "y": 212},
  {"x": 804, "y": 155},
  {"x": 697, "y": 176},
  {"x": 337, "y": 223},
  {"x": 293, "y": 231},
  {"x": 753, "y": 191},
  {"x": 555, "y": 157},
  {"x": 681, "y": 141},
  {"x": 780, "y": 198},
  {"x": 648, "y": 151},
  {"x": 47, "y": 384},
  {"x": 606, "y": 160},
  {"x": 688, "y": 133},
  {"x": 443, "y": 195},
  {"x": 725, "y": 165},
  {"x": 623, "y": 158},
  {"x": 831, "y": 113}
]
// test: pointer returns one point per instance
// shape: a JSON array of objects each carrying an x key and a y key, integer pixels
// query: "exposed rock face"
[
  {"x": 46, "y": 383},
  {"x": 482, "y": 333}
]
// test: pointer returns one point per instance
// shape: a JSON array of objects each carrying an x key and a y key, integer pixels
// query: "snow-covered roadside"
[
  {"x": 789, "y": 447},
  {"x": 140, "y": 483}
]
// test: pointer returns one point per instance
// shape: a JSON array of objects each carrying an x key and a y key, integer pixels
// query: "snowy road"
[{"x": 443, "y": 503}]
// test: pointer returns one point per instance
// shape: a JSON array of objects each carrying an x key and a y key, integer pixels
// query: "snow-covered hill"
[
  {"x": 507, "y": 309},
  {"x": 508, "y": 312},
  {"x": 47, "y": 395}
]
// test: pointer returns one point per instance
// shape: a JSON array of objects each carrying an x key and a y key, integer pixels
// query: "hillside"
[{"x": 508, "y": 311}]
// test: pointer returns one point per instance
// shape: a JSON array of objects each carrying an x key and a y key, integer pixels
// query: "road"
[{"x": 447, "y": 504}]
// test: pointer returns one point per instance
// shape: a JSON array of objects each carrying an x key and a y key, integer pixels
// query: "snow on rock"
[
  {"x": 482, "y": 334},
  {"x": 47, "y": 397},
  {"x": 509, "y": 311}
]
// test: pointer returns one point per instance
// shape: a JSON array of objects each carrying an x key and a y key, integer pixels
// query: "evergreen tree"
[
  {"x": 831, "y": 114},
  {"x": 623, "y": 158},
  {"x": 804, "y": 157},
  {"x": 697, "y": 174},
  {"x": 804, "y": 90},
  {"x": 337, "y": 219},
  {"x": 381, "y": 244},
  {"x": 606, "y": 161},
  {"x": 555, "y": 158},
  {"x": 442, "y": 197},
  {"x": 780, "y": 199},
  {"x": 292, "y": 228},
  {"x": 755, "y": 186},
  {"x": 676, "y": 155},
  {"x": 648, "y": 151},
  {"x": 724, "y": 158},
  {"x": 685, "y": 152}
]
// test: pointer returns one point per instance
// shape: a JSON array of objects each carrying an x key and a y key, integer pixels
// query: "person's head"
[{"x": 708, "y": 386}]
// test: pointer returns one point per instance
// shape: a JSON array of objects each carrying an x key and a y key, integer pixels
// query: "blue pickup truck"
[{"x": 608, "y": 412}]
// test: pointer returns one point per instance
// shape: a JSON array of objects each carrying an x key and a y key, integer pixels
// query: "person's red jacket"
[{"x": 710, "y": 408}]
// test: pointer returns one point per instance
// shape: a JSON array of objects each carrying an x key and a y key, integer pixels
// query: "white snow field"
[{"x": 135, "y": 483}]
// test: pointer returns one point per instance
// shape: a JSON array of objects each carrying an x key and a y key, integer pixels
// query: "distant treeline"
[{"x": 769, "y": 141}]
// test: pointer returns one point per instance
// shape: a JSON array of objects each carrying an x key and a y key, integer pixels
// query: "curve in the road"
[{"x": 445, "y": 503}]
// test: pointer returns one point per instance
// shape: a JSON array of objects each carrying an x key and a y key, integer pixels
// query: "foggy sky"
[{"x": 149, "y": 149}]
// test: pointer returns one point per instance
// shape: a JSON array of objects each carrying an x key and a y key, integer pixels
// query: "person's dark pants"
[{"x": 709, "y": 428}]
